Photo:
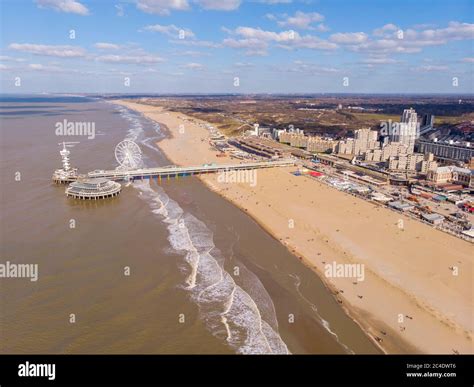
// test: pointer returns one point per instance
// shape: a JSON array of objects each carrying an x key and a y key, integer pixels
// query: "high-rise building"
[
  {"x": 407, "y": 131},
  {"x": 409, "y": 115},
  {"x": 364, "y": 140},
  {"x": 427, "y": 121},
  {"x": 428, "y": 164}
]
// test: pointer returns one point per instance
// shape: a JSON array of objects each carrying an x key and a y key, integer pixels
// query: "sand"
[{"x": 409, "y": 297}]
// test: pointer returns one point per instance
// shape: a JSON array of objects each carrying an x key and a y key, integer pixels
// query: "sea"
[{"x": 167, "y": 267}]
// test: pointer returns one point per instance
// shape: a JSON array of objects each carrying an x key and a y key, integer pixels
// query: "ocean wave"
[
  {"x": 245, "y": 319},
  {"x": 141, "y": 130},
  {"x": 135, "y": 127},
  {"x": 323, "y": 322}
]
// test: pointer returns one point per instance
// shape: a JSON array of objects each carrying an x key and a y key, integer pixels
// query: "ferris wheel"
[{"x": 128, "y": 154}]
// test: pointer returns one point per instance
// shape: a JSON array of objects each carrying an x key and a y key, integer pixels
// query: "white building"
[
  {"x": 407, "y": 131},
  {"x": 363, "y": 141}
]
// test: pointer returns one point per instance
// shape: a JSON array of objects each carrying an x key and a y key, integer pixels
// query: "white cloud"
[
  {"x": 380, "y": 60},
  {"x": 454, "y": 31},
  {"x": 272, "y": 2},
  {"x": 170, "y": 30},
  {"x": 413, "y": 41},
  {"x": 321, "y": 28},
  {"x": 5, "y": 58},
  {"x": 309, "y": 42},
  {"x": 120, "y": 10},
  {"x": 301, "y": 20},
  {"x": 106, "y": 46},
  {"x": 430, "y": 68},
  {"x": 385, "y": 46},
  {"x": 41, "y": 49},
  {"x": 307, "y": 68},
  {"x": 40, "y": 67},
  {"x": 258, "y": 33},
  {"x": 255, "y": 41},
  {"x": 191, "y": 53},
  {"x": 468, "y": 60},
  {"x": 423, "y": 26},
  {"x": 196, "y": 43},
  {"x": 386, "y": 29},
  {"x": 68, "y": 6},
  {"x": 256, "y": 38},
  {"x": 252, "y": 46},
  {"x": 140, "y": 59},
  {"x": 349, "y": 38},
  {"x": 244, "y": 65},
  {"x": 244, "y": 43},
  {"x": 193, "y": 66},
  {"x": 256, "y": 52},
  {"x": 219, "y": 5},
  {"x": 162, "y": 7}
]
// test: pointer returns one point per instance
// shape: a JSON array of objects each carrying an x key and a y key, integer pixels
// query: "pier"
[
  {"x": 93, "y": 189},
  {"x": 101, "y": 184},
  {"x": 174, "y": 171}
]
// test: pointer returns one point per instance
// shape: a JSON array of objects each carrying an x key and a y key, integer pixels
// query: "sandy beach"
[{"x": 409, "y": 297}]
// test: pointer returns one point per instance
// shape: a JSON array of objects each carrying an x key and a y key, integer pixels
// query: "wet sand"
[{"x": 409, "y": 298}]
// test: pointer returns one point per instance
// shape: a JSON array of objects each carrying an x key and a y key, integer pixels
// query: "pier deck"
[{"x": 174, "y": 171}]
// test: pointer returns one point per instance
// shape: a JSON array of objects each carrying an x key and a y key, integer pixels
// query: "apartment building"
[
  {"x": 363, "y": 141},
  {"x": 414, "y": 162},
  {"x": 393, "y": 149},
  {"x": 447, "y": 150},
  {"x": 315, "y": 144}
]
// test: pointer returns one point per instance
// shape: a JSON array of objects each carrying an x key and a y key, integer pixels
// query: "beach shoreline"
[{"x": 442, "y": 321}]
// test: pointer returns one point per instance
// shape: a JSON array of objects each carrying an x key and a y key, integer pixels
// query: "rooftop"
[
  {"x": 453, "y": 168},
  {"x": 400, "y": 205},
  {"x": 433, "y": 217}
]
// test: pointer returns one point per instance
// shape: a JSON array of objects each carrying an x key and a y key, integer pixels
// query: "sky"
[{"x": 236, "y": 46}]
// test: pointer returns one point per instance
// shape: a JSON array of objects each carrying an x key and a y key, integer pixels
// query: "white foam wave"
[
  {"x": 135, "y": 125},
  {"x": 229, "y": 311},
  {"x": 323, "y": 322},
  {"x": 244, "y": 318}
]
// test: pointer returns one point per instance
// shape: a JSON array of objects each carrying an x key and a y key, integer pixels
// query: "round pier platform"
[{"x": 93, "y": 189}]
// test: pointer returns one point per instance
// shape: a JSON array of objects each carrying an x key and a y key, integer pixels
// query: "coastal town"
[
  {"x": 368, "y": 234},
  {"x": 405, "y": 227},
  {"x": 399, "y": 179},
  {"x": 402, "y": 166},
  {"x": 188, "y": 182}
]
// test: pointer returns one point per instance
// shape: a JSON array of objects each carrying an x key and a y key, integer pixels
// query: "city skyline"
[{"x": 261, "y": 46}]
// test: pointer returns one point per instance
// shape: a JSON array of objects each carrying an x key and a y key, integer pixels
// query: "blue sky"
[{"x": 254, "y": 46}]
